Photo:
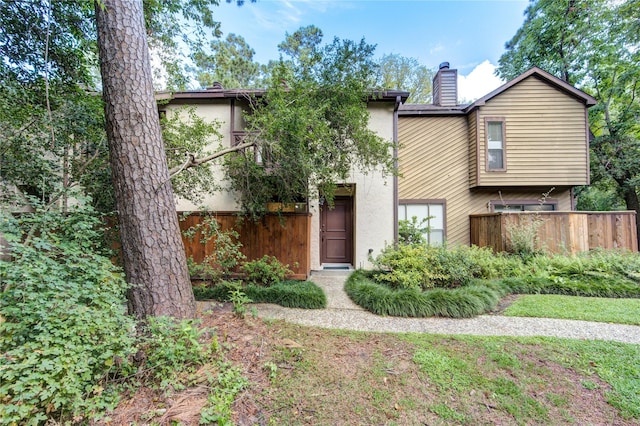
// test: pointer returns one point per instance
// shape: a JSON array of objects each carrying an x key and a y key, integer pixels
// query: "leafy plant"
[
  {"x": 412, "y": 231},
  {"x": 462, "y": 302},
  {"x": 170, "y": 348},
  {"x": 265, "y": 271},
  {"x": 291, "y": 294},
  {"x": 423, "y": 267},
  {"x": 240, "y": 301},
  {"x": 226, "y": 255},
  {"x": 64, "y": 334},
  {"x": 228, "y": 384}
]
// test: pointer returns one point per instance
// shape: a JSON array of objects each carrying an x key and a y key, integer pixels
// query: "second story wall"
[{"x": 543, "y": 134}]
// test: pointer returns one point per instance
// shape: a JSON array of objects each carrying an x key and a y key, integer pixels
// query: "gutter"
[{"x": 395, "y": 164}]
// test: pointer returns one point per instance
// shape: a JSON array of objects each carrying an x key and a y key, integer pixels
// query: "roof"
[
  {"x": 217, "y": 92},
  {"x": 430, "y": 109},
  {"x": 550, "y": 79}
]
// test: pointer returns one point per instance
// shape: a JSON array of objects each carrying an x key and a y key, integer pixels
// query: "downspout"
[{"x": 395, "y": 164}]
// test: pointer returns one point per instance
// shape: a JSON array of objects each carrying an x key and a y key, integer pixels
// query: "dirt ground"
[{"x": 340, "y": 378}]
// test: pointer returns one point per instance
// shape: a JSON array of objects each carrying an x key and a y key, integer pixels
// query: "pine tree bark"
[{"x": 152, "y": 249}]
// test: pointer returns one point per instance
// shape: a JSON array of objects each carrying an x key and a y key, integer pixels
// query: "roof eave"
[{"x": 562, "y": 85}]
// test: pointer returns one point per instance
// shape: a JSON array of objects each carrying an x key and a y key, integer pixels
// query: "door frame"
[{"x": 350, "y": 232}]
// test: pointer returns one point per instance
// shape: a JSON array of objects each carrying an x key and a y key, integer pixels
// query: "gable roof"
[
  {"x": 463, "y": 109},
  {"x": 551, "y": 80}
]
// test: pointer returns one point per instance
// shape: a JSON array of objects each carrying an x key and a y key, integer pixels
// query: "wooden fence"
[
  {"x": 558, "y": 232},
  {"x": 286, "y": 236}
]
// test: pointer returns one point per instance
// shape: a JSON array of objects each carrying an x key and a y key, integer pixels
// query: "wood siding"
[
  {"x": 472, "y": 122},
  {"x": 545, "y": 137},
  {"x": 559, "y": 232},
  {"x": 286, "y": 237},
  {"x": 434, "y": 156}
]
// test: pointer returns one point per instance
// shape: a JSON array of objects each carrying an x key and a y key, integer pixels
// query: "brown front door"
[{"x": 336, "y": 232}]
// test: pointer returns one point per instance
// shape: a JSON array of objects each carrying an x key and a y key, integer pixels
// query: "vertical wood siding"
[
  {"x": 545, "y": 137},
  {"x": 559, "y": 232},
  {"x": 287, "y": 238}
]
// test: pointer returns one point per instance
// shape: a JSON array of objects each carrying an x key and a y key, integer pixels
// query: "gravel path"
[{"x": 342, "y": 313}]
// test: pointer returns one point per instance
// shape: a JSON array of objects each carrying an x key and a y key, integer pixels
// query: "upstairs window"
[{"x": 496, "y": 160}]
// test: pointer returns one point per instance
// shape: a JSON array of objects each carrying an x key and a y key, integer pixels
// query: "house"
[
  {"x": 363, "y": 218},
  {"x": 522, "y": 147}
]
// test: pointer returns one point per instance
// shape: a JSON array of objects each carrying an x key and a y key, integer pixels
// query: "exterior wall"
[
  {"x": 220, "y": 111},
  {"x": 373, "y": 202},
  {"x": 546, "y": 137},
  {"x": 472, "y": 123},
  {"x": 373, "y": 198},
  {"x": 434, "y": 155}
]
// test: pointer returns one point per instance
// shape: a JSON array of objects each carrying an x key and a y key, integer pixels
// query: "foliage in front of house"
[
  {"x": 68, "y": 349},
  {"x": 290, "y": 294},
  {"x": 226, "y": 274},
  {"x": 418, "y": 280},
  {"x": 65, "y": 335}
]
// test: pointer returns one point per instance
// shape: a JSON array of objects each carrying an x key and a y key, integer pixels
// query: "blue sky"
[{"x": 468, "y": 34}]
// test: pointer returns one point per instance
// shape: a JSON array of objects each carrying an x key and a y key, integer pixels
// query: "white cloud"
[{"x": 478, "y": 82}]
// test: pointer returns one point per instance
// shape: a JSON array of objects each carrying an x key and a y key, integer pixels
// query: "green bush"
[
  {"x": 265, "y": 271},
  {"x": 171, "y": 347},
  {"x": 422, "y": 267},
  {"x": 412, "y": 231},
  {"x": 64, "y": 335},
  {"x": 290, "y": 294},
  {"x": 226, "y": 256},
  {"x": 588, "y": 287},
  {"x": 474, "y": 299}
]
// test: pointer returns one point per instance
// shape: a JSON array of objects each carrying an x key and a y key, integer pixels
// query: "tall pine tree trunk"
[{"x": 152, "y": 250}]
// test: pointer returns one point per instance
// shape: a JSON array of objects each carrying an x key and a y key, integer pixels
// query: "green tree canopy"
[
  {"x": 230, "y": 64},
  {"x": 402, "y": 73},
  {"x": 595, "y": 45},
  {"x": 311, "y": 126}
]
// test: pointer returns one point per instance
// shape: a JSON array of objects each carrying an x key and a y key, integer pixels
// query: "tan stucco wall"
[
  {"x": 219, "y": 111},
  {"x": 373, "y": 204},
  {"x": 373, "y": 201}
]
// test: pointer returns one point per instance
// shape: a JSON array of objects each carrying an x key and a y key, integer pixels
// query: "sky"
[{"x": 468, "y": 34}]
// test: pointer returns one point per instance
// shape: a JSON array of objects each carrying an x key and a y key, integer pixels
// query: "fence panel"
[
  {"x": 558, "y": 232},
  {"x": 285, "y": 236}
]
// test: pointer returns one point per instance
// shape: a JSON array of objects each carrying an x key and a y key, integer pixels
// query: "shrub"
[
  {"x": 412, "y": 231},
  {"x": 463, "y": 302},
  {"x": 265, "y": 271},
  {"x": 421, "y": 267},
  {"x": 226, "y": 256},
  {"x": 290, "y": 294},
  {"x": 65, "y": 334},
  {"x": 171, "y": 347}
]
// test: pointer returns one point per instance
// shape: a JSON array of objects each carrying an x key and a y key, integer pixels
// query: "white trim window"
[
  {"x": 433, "y": 212},
  {"x": 495, "y": 145}
]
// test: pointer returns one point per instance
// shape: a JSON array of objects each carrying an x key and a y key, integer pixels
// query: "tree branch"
[{"x": 193, "y": 162}]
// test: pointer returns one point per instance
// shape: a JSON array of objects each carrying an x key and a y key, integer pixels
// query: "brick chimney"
[{"x": 445, "y": 86}]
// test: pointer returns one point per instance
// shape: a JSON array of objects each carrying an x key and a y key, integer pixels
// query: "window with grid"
[{"x": 433, "y": 212}]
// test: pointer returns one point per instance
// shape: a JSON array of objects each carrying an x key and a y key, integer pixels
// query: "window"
[
  {"x": 433, "y": 210},
  {"x": 495, "y": 145},
  {"x": 520, "y": 206}
]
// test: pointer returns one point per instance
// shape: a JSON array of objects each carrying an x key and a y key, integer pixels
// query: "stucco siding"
[
  {"x": 373, "y": 199},
  {"x": 373, "y": 202},
  {"x": 545, "y": 132}
]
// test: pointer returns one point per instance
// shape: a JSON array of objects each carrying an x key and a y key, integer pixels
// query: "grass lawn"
[
  {"x": 341, "y": 377},
  {"x": 621, "y": 311}
]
